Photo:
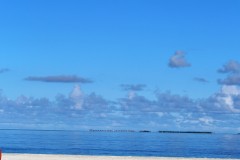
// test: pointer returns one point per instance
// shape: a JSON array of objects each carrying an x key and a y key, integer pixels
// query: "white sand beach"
[{"x": 74, "y": 157}]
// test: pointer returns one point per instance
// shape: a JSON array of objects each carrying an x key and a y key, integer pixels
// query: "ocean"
[{"x": 120, "y": 144}]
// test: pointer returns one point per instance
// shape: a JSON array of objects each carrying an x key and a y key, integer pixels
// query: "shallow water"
[{"x": 120, "y": 144}]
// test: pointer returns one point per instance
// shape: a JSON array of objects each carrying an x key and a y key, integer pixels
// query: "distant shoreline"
[
  {"x": 190, "y": 132},
  {"x": 93, "y": 130},
  {"x": 147, "y": 131},
  {"x": 79, "y": 157}
]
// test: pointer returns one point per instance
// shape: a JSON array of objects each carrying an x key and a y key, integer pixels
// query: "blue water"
[{"x": 120, "y": 144}]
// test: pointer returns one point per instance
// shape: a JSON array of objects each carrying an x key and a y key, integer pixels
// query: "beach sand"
[{"x": 73, "y": 157}]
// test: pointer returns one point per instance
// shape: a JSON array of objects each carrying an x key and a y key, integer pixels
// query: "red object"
[{"x": 0, "y": 154}]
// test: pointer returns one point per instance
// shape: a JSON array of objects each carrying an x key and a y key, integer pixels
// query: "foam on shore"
[{"x": 77, "y": 157}]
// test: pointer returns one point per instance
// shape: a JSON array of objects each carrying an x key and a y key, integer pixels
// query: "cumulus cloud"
[
  {"x": 59, "y": 79},
  {"x": 223, "y": 102},
  {"x": 77, "y": 97},
  {"x": 178, "y": 60},
  {"x": 164, "y": 110},
  {"x": 231, "y": 67},
  {"x": 173, "y": 111},
  {"x": 175, "y": 103},
  {"x": 132, "y": 89},
  {"x": 3, "y": 70},
  {"x": 228, "y": 97},
  {"x": 201, "y": 80},
  {"x": 98, "y": 104},
  {"x": 136, "y": 103},
  {"x": 182, "y": 112},
  {"x": 76, "y": 109},
  {"x": 232, "y": 79},
  {"x": 230, "y": 90}
]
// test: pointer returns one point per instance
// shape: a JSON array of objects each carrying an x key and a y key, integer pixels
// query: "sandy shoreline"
[{"x": 75, "y": 157}]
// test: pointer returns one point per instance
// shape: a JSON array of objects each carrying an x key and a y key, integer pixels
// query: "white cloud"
[
  {"x": 230, "y": 90},
  {"x": 207, "y": 120},
  {"x": 134, "y": 111},
  {"x": 131, "y": 95},
  {"x": 226, "y": 97},
  {"x": 77, "y": 97}
]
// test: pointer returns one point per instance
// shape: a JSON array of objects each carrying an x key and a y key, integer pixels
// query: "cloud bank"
[{"x": 168, "y": 111}]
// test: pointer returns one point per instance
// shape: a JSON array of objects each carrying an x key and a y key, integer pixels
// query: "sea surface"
[{"x": 120, "y": 144}]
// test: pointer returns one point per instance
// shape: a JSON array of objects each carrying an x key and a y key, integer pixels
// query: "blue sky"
[{"x": 167, "y": 64}]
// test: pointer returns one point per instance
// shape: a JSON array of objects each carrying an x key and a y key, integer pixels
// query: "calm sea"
[{"x": 120, "y": 144}]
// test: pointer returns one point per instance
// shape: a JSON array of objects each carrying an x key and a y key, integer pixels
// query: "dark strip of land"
[
  {"x": 190, "y": 132},
  {"x": 100, "y": 130},
  {"x": 145, "y": 131}
]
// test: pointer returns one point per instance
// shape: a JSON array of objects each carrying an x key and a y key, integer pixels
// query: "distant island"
[
  {"x": 102, "y": 130},
  {"x": 189, "y": 132},
  {"x": 145, "y": 131}
]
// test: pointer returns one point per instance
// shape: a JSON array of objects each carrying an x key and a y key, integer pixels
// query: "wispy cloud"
[
  {"x": 59, "y": 79},
  {"x": 201, "y": 80},
  {"x": 178, "y": 60},
  {"x": 131, "y": 87},
  {"x": 3, "y": 70}
]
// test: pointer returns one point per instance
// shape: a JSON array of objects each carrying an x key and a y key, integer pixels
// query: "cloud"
[
  {"x": 231, "y": 67},
  {"x": 98, "y": 104},
  {"x": 207, "y": 120},
  {"x": 178, "y": 111},
  {"x": 178, "y": 60},
  {"x": 136, "y": 103},
  {"x": 77, "y": 97},
  {"x": 223, "y": 102},
  {"x": 133, "y": 89},
  {"x": 164, "y": 110},
  {"x": 76, "y": 109},
  {"x": 232, "y": 79},
  {"x": 202, "y": 80},
  {"x": 130, "y": 87},
  {"x": 3, "y": 70},
  {"x": 230, "y": 90},
  {"x": 59, "y": 79},
  {"x": 175, "y": 103},
  {"x": 172, "y": 110}
]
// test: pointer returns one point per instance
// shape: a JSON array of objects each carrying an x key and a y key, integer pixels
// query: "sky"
[{"x": 111, "y": 64}]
